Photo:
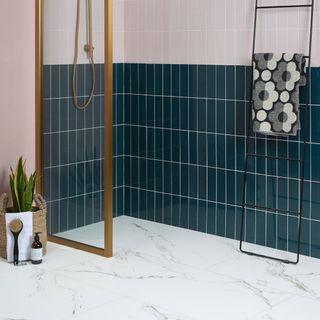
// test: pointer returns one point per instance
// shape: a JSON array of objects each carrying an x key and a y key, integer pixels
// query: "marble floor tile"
[
  {"x": 32, "y": 292},
  {"x": 294, "y": 308},
  {"x": 133, "y": 310},
  {"x": 159, "y": 272},
  {"x": 199, "y": 293},
  {"x": 59, "y": 256},
  {"x": 197, "y": 249},
  {"x": 302, "y": 279},
  {"x": 160, "y": 240},
  {"x": 92, "y": 234}
]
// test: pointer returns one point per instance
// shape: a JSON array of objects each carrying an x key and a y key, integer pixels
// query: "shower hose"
[{"x": 88, "y": 48}]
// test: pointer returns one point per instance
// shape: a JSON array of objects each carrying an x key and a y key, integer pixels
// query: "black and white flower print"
[
  {"x": 286, "y": 76},
  {"x": 264, "y": 94},
  {"x": 283, "y": 117},
  {"x": 267, "y": 60},
  {"x": 275, "y": 95}
]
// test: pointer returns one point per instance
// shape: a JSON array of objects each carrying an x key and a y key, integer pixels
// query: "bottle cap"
[{"x": 36, "y": 236}]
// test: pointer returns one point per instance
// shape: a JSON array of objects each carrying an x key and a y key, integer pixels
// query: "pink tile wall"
[
  {"x": 118, "y": 31},
  {"x": 212, "y": 31},
  {"x": 59, "y": 20},
  {"x": 17, "y": 112}
]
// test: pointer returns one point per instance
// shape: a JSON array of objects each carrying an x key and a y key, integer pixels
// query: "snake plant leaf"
[
  {"x": 14, "y": 197},
  {"x": 22, "y": 188},
  {"x": 28, "y": 194},
  {"x": 21, "y": 183}
]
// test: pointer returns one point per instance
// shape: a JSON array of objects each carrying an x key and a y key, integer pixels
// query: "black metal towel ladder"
[{"x": 301, "y": 161}]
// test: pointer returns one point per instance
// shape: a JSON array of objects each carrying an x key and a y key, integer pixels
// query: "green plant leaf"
[
  {"x": 17, "y": 184},
  {"x": 28, "y": 195},
  {"x": 22, "y": 188},
  {"x": 14, "y": 197}
]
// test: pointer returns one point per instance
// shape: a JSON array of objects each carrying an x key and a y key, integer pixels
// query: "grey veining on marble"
[{"x": 160, "y": 272}]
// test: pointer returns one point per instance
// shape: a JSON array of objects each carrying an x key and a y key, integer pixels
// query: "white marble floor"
[
  {"x": 92, "y": 234},
  {"x": 160, "y": 272}
]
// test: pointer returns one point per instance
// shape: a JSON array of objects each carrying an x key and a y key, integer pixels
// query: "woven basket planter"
[{"x": 39, "y": 222}]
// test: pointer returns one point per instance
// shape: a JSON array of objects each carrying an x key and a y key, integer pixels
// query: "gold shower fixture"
[{"x": 88, "y": 48}]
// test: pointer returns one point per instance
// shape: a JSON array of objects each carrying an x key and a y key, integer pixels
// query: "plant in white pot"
[
  {"x": 31, "y": 218},
  {"x": 19, "y": 222}
]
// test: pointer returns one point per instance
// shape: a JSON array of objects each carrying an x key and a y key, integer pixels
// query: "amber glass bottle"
[{"x": 36, "y": 250}]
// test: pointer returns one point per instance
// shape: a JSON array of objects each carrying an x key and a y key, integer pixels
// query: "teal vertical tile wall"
[
  {"x": 178, "y": 154},
  {"x": 184, "y": 156},
  {"x": 73, "y": 147}
]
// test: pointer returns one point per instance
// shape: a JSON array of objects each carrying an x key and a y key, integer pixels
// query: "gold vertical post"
[
  {"x": 108, "y": 244},
  {"x": 38, "y": 93},
  {"x": 108, "y": 90}
]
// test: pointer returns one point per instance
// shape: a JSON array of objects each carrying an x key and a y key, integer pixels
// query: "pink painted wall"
[
  {"x": 59, "y": 19},
  {"x": 213, "y": 31},
  {"x": 17, "y": 85}
]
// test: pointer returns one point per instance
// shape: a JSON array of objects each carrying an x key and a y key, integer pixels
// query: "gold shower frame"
[{"x": 108, "y": 228}]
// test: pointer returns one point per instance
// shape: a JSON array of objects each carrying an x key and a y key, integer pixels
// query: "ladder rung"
[
  {"x": 270, "y": 157},
  {"x": 286, "y": 6},
  {"x": 270, "y": 209}
]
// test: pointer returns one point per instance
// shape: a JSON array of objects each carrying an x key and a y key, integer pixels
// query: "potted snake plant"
[{"x": 33, "y": 218}]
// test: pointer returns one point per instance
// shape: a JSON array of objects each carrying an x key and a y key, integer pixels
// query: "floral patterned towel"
[{"x": 277, "y": 78}]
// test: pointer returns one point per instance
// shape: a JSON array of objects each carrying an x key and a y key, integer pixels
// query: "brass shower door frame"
[{"x": 108, "y": 228}]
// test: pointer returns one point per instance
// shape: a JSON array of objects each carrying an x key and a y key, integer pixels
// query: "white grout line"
[
  {"x": 59, "y": 152},
  {"x": 216, "y": 152},
  {"x": 50, "y": 141},
  {"x": 235, "y": 158},
  {"x": 68, "y": 160},
  {"x": 207, "y": 169},
  {"x": 154, "y": 144},
  {"x": 180, "y": 158},
  {"x": 162, "y": 141},
  {"x": 225, "y": 153},
  {"x": 85, "y": 147},
  {"x": 138, "y": 133},
  {"x": 197, "y": 136},
  {"x": 188, "y": 146},
  {"x": 245, "y": 126}
]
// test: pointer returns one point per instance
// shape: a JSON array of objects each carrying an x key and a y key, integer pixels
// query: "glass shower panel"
[{"x": 73, "y": 153}]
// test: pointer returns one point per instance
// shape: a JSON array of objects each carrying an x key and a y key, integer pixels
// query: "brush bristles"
[{"x": 16, "y": 225}]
